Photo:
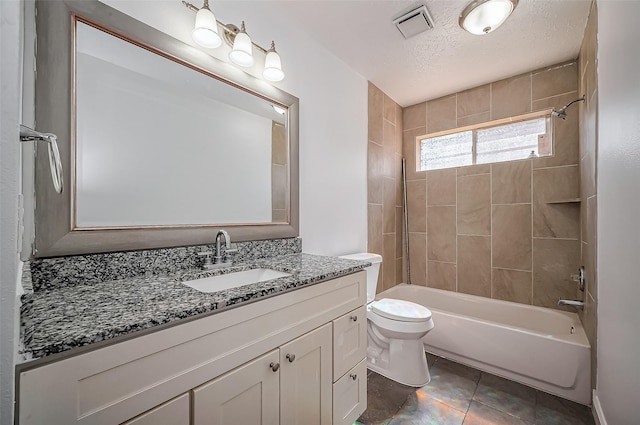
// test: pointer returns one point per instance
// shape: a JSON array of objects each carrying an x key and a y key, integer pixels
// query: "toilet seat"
[{"x": 401, "y": 310}]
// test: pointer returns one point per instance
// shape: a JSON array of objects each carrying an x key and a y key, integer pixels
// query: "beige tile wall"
[
  {"x": 588, "y": 176},
  {"x": 384, "y": 194},
  {"x": 509, "y": 230}
]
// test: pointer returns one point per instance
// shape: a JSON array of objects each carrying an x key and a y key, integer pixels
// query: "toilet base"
[{"x": 403, "y": 361}]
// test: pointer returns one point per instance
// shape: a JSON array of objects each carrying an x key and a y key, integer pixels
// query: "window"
[{"x": 497, "y": 141}]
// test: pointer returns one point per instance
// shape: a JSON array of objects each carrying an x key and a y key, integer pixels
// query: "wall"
[
  {"x": 492, "y": 230},
  {"x": 333, "y": 117},
  {"x": 588, "y": 112},
  {"x": 618, "y": 233},
  {"x": 10, "y": 83},
  {"x": 384, "y": 186}
]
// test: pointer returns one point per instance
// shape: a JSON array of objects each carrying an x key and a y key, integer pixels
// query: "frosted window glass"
[
  {"x": 510, "y": 141},
  {"x": 452, "y": 150}
]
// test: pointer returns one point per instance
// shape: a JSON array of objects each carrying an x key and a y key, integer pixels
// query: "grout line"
[
  {"x": 532, "y": 262},
  {"x": 491, "y": 229},
  {"x": 556, "y": 166},
  {"x": 555, "y": 95},
  {"x": 426, "y": 224},
  {"x": 456, "y": 213},
  {"x": 530, "y": 92},
  {"x": 555, "y": 239},
  {"x": 376, "y": 143},
  {"x": 490, "y": 101},
  {"x": 513, "y": 270},
  {"x": 515, "y": 203}
]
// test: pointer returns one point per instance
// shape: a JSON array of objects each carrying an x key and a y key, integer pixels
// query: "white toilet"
[{"x": 395, "y": 329}]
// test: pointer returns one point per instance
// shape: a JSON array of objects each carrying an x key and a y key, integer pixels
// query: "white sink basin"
[{"x": 233, "y": 280}]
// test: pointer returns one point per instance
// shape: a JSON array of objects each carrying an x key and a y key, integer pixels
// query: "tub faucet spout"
[{"x": 574, "y": 303}]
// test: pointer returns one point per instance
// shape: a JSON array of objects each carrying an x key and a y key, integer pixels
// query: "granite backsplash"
[{"x": 51, "y": 273}]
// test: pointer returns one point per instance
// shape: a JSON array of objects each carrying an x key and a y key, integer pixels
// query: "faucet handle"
[
  {"x": 207, "y": 257},
  {"x": 580, "y": 278}
]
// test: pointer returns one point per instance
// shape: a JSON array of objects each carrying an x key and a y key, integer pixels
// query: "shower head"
[{"x": 562, "y": 112}]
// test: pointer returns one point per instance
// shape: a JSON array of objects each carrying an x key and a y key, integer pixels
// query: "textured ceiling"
[{"x": 445, "y": 59}]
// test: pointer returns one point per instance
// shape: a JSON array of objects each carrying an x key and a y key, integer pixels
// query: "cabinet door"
[
  {"x": 173, "y": 412},
  {"x": 349, "y": 341},
  {"x": 245, "y": 395},
  {"x": 350, "y": 395},
  {"x": 306, "y": 379}
]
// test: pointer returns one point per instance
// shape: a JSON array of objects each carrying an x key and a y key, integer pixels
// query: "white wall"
[
  {"x": 10, "y": 81},
  {"x": 618, "y": 381},
  {"x": 333, "y": 117}
]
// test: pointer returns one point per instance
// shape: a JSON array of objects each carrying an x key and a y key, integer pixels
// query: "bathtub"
[{"x": 540, "y": 347}]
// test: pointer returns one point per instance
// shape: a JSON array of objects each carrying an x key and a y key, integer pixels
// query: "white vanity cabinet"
[
  {"x": 219, "y": 363},
  {"x": 305, "y": 379},
  {"x": 249, "y": 394},
  {"x": 289, "y": 386},
  {"x": 349, "y": 366},
  {"x": 173, "y": 412}
]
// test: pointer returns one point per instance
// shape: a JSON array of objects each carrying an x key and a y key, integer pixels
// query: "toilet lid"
[{"x": 405, "y": 311}]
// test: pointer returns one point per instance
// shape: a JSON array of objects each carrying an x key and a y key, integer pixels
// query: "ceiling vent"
[{"x": 414, "y": 22}]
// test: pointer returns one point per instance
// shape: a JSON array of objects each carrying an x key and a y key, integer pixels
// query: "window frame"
[{"x": 546, "y": 113}]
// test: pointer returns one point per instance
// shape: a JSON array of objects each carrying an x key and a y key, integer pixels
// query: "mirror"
[{"x": 164, "y": 143}]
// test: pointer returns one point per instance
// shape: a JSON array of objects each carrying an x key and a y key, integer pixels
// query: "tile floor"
[{"x": 460, "y": 395}]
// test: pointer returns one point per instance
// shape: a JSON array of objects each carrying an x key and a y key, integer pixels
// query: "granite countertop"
[{"x": 62, "y": 319}]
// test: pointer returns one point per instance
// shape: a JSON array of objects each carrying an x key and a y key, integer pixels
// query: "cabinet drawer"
[
  {"x": 350, "y": 395},
  {"x": 349, "y": 341},
  {"x": 173, "y": 412}
]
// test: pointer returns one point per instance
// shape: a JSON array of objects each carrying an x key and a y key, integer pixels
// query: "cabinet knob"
[
  {"x": 353, "y": 376},
  {"x": 291, "y": 357},
  {"x": 354, "y": 318},
  {"x": 274, "y": 366}
]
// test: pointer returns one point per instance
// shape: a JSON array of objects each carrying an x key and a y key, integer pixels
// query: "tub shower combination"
[{"x": 540, "y": 347}]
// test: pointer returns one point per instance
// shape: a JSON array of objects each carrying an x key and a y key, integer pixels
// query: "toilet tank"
[{"x": 372, "y": 271}]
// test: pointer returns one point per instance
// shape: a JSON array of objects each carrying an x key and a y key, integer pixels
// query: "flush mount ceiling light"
[
  {"x": 205, "y": 34},
  {"x": 484, "y": 16}
]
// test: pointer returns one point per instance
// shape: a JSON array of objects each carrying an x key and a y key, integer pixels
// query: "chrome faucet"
[
  {"x": 217, "y": 255},
  {"x": 218, "y": 259},
  {"x": 574, "y": 303}
]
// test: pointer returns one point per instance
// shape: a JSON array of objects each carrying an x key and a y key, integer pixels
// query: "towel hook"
[{"x": 28, "y": 135}]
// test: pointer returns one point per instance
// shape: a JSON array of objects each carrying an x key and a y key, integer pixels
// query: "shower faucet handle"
[{"x": 580, "y": 278}]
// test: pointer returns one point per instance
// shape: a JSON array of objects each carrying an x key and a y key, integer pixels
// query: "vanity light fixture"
[
  {"x": 484, "y": 16},
  {"x": 205, "y": 32},
  {"x": 206, "y": 35},
  {"x": 272, "y": 65},
  {"x": 242, "y": 53}
]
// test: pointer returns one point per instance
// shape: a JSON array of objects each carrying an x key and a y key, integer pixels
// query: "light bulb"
[
  {"x": 242, "y": 53},
  {"x": 273, "y": 65},
  {"x": 483, "y": 17},
  {"x": 205, "y": 32}
]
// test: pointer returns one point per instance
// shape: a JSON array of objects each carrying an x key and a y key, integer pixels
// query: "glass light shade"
[
  {"x": 272, "y": 67},
  {"x": 242, "y": 53},
  {"x": 205, "y": 32},
  {"x": 484, "y": 16}
]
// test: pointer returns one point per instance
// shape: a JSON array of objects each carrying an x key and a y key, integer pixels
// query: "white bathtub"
[{"x": 540, "y": 347}]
